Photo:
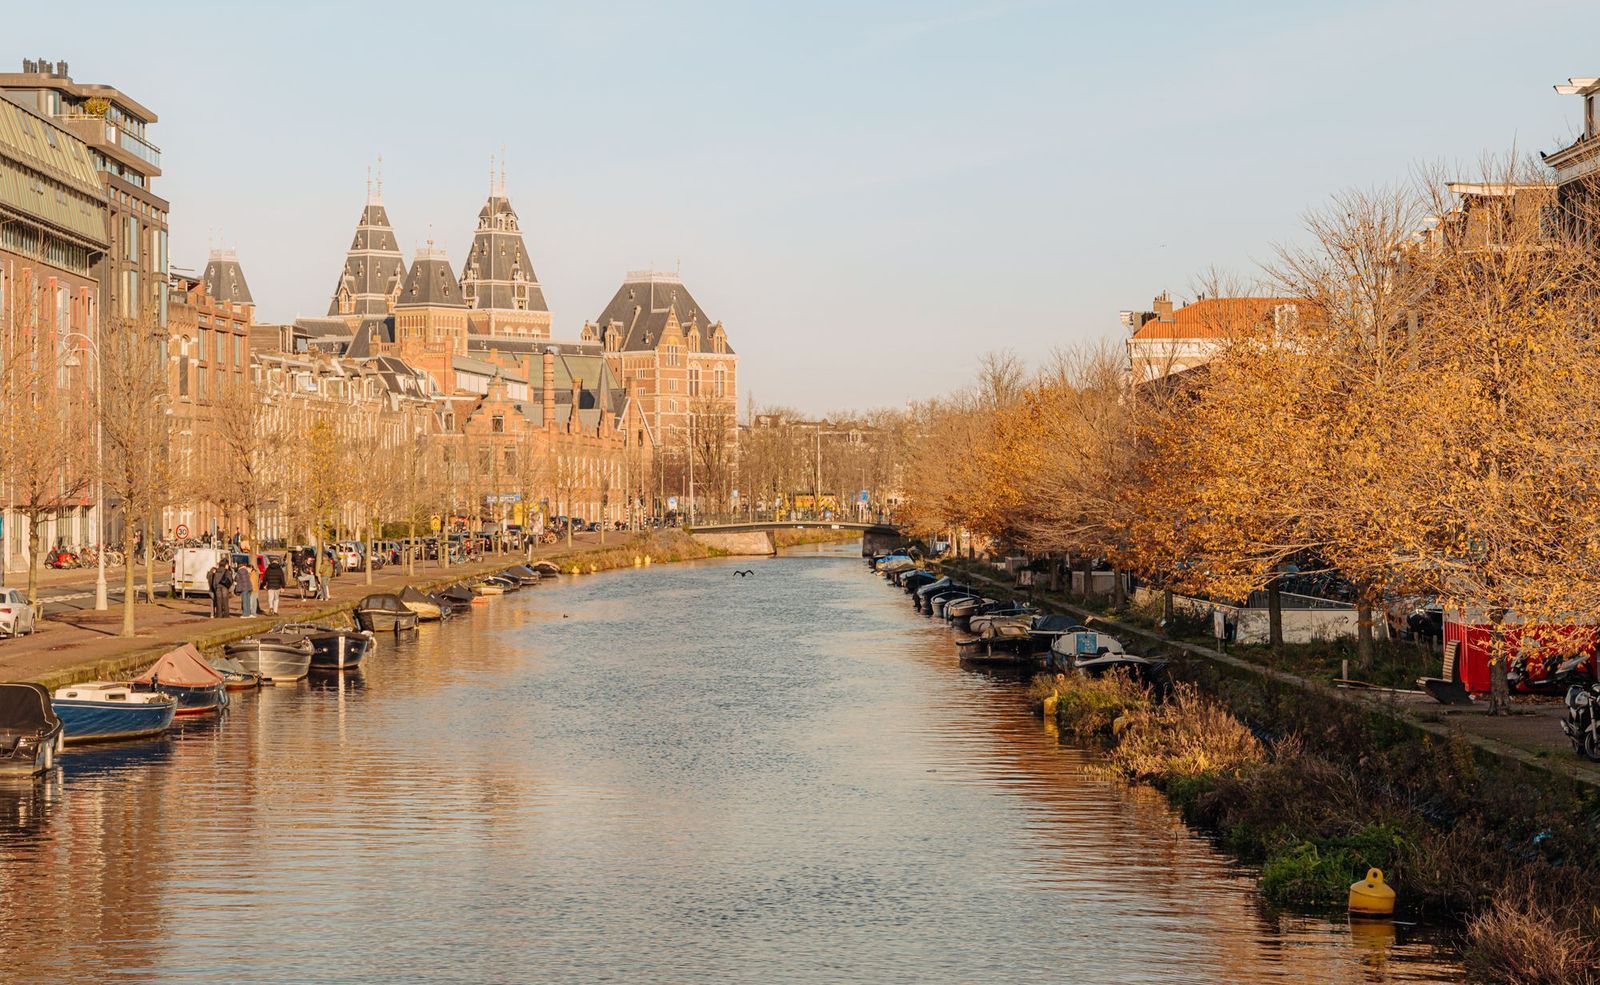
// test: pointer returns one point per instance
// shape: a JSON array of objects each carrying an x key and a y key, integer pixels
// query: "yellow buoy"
[
  {"x": 1050, "y": 706},
  {"x": 593, "y": 568},
  {"x": 637, "y": 560},
  {"x": 1372, "y": 896},
  {"x": 647, "y": 560}
]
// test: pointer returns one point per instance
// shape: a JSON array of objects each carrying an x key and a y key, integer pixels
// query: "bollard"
[
  {"x": 1371, "y": 896},
  {"x": 637, "y": 561}
]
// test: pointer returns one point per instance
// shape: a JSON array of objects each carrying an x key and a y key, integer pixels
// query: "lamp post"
[{"x": 72, "y": 361}]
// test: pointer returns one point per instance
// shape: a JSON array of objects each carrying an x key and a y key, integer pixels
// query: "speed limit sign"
[{"x": 182, "y": 530}]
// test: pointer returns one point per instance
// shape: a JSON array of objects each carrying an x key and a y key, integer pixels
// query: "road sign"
[
  {"x": 182, "y": 530},
  {"x": 672, "y": 502},
  {"x": 865, "y": 496}
]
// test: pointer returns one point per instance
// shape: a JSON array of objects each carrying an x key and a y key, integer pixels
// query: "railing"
[{"x": 136, "y": 146}]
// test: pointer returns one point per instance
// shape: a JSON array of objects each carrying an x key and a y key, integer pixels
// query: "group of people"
[{"x": 249, "y": 582}]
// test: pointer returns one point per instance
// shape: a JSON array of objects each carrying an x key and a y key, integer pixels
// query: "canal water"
[{"x": 675, "y": 774}]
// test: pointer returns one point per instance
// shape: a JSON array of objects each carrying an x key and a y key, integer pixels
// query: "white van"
[{"x": 190, "y": 565}]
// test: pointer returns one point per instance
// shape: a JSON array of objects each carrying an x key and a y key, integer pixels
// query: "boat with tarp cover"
[
  {"x": 458, "y": 597},
  {"x": 102, "y": 711},
  {"x": 30, "y": 732},
  {"x": 426, "y": 607},
  {"x": 184, "y": 674}
]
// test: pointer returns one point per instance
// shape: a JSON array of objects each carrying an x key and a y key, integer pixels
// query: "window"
[
  {"x": 183, "y": 376},
  {"x": 205, "y": 343},
  {"x": 200, "y": 383},
  {"x": 694, "y": 381},
  {"x": 130, "y": 239},
  {"x": 497, "y": 424},
  {"x": 511, "y": 460},
  {"x": 672, "y": 386},
  {"x": 238, "y": 351},
  {"x": 222, "y": 349},
  {"x": 721, "y": 382}
]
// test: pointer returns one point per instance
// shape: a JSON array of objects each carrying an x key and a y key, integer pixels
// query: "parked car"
[
  {"x": 350, "y": 556},
  {"x": 16, "y": 613}
]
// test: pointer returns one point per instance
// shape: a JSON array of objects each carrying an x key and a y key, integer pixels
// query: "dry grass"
[
  {"x": 1187, "y": 736},
  {"x": 1519, "y": 940}
]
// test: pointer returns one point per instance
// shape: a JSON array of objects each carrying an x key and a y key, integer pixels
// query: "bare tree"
[{"x": 133, "y": 426}]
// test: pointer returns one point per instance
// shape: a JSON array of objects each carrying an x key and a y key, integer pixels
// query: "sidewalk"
[{"x": 85, "y": 645}]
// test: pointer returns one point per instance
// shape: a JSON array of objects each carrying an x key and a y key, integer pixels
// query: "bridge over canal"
[{"x": 755, "y": 536}]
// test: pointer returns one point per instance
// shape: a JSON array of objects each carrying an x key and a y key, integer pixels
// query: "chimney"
[
  {"x": 549, "y": 386},
  {"x": 1163, "y": 308},
  {"x": 577, "y": 403}
]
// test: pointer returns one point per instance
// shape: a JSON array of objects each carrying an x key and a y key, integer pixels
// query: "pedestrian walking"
[
  {"x": 214, "y": 584},
  {"x": 243, "y": 585},
  {"x": 273, "y": 581},
  {"x": 324, "y": 574}
]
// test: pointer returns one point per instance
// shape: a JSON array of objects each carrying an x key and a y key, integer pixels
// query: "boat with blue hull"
[
  {"x": 184, "y": 674},
  {"x": 103, "y": 711}
]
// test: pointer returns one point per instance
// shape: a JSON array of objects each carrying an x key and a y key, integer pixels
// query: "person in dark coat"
[{"x": 273, "y": 582}]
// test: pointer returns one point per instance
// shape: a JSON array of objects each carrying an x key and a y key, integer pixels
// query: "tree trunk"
[
  {"x": 33, "y": 563},
  {"x": 150, "y": 559},
  {"x": 127, "y": 576},
  {"x": 1167, "y": 608},
  {"x": 1275, "y": 614},
  {"x": 1363, "y": 635},
  {"x": 372, "y": 545},
  {"x": 1119, "y": 591},
  {"x": 1088, "y": 579},
  {"x": 411, "y": 547},
  {"x": 1499, "y": 689}
]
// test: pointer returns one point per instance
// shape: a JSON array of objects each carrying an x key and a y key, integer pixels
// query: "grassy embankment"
[{"x": 1316, "y": 793}]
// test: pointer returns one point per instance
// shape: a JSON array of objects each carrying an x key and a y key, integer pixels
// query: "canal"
[{"x": 668, "y": 774}]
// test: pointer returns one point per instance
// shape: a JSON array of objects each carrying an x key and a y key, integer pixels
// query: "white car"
[{"x": 16, "y": 613}]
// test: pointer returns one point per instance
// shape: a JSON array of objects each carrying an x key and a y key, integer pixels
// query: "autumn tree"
[
  {"x": 45, "y": 429},
  {"x": 133, "y": 427}
]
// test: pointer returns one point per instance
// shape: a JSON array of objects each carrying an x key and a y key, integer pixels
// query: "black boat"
[
  {"x": 920, "y": 597},
  {"x": 522, "y": 573},
  {"x": 914, "y": 580},
  {"x": 458, "y": 597},
  {"x": 332, "y": 648},
  {"x": 30, "y": 733}
]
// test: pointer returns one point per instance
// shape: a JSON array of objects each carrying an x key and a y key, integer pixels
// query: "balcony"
[{"x": 143, "y": 150}]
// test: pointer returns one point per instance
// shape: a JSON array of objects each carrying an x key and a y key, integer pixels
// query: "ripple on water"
[{"x": 691, "y": 778}]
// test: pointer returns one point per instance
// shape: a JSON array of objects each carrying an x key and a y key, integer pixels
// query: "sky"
[{"x": 868, "y": 195}]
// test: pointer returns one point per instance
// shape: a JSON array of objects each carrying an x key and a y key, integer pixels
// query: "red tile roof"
[{"x": 1212, "y": 318}]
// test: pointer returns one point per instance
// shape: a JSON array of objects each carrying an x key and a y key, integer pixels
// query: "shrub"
[
  {"x": 1090, "y": 707},
  {"x": 1190, "y": 735},
  {"x": 1520, "y": 940}
]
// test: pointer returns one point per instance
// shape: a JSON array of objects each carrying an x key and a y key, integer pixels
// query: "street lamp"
[{"x": 72, "y": 362}]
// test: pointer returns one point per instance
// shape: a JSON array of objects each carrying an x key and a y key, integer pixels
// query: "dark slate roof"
[
  {"x": 642, "y": 304},
  {"x": 498, "y": 263},
  {"x": 372, "y": 267},
  {"x": 371, "y": 329},
  {"x": 513, "y": 344},
  {"x": 224, "y": 278},
  {"x": 431, "y": 283}
]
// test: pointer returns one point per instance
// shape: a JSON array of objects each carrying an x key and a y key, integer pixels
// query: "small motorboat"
[
  {"x": 235, "y": 674},
  {"x": 384, "y": 613},
  {"x": 942, "y": 602},
  {"x": 961, "y": 611},
  {"x": 185, "y": 675},
  {"x": 913, "y": 580},
  {"x": 103, "y": 711},
  {"x": 458, "y": 597},
  {"x": 523, "y": 573},
  {"x": 485, "y": 588},
  {"x": 279, "y": 656},
  {"x": 30, "y": 732},
  {"x": 1001, "y": 637},
  {"x": 1094, "y": 654},
  {"x": 546, "y": 569},
  {"x": 507, "y": 585},
  {"x": 332, "y": 648},
  {"x": 425, "y": 607},
  {"x": 920, "y": 597}
]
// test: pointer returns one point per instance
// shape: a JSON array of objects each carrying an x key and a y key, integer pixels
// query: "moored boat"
[
  {"x": 546, "y": 569},
  {"x": 485, "y": 588},
  {"x": 102, "y": 711},
  {"x": 30, "y": 732},
  {"x": 235, "y": 675},
  {"x": 279, "y": 657},
  {"x": 425, "y": 607},
  {"x": 522, "y": 573},
  {"x": 185, "y": 675},
  {"x": 458, "y": 597},
  {"x": 384, "y": 613},
  {"x": 332, "y": 648},
  {"x": 505, "y": 584}
]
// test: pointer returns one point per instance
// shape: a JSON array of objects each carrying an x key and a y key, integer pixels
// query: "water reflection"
[{"x": 667, "y": 774}]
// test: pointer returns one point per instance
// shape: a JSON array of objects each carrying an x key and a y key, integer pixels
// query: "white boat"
[{"x": 277, "y": 657}]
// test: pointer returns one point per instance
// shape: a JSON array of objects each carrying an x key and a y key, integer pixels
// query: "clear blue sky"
[{"x": 869, "y": 195}]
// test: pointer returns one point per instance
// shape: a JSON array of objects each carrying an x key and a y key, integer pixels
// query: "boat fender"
[{"x": 1372, "y": 896}]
